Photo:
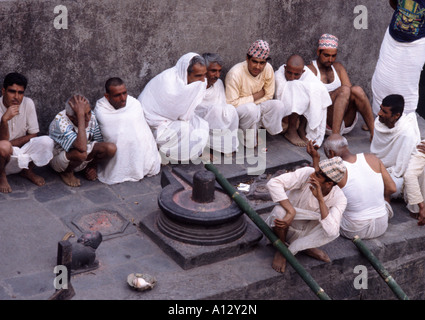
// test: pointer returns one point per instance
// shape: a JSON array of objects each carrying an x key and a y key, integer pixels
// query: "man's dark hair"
[
  {"x": 113, "y": 82},
  {"x": 327, "y": 179},
  {"x": 15, "y": 78},
  {"x": 250, "y": 57},
  {"x": 395, "y": 102}
]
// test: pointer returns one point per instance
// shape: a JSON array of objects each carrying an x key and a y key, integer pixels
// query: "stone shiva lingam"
[
  {"x": 197, "y": 212},
  {"x": 198, "y": 223}
]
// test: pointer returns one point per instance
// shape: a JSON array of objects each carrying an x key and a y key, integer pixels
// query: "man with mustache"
[
  {"x": 348, "y": 100},
  {"x": 396, "y": 137},
  {"x": 20, "y": 148},
  {"x": 250, "y": 87},
  {"x": 222, "y": 118}
]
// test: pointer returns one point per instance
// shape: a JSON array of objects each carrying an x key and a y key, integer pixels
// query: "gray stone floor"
[{"x": 34, "y": 219}]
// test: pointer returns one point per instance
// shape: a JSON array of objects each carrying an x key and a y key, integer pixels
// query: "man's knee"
[
  {"x": 6, "y": 149},
  {"x": 357, "y": 92}
]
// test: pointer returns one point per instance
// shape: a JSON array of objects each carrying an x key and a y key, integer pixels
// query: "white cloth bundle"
[
  {"x": 137, "y": 153},
  {"x": 398, "y": 71},
  {"x": 222, "y": 118},
  {"x": 169, "y": 105},
  {"x": 38, "y": 150},
  {"x": 306, "y": 96}
]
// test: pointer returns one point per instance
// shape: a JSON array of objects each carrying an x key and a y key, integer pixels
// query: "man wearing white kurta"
[
  {"x": 169, "y": 101},
  {"x": 222, "y": 118},
  {"x": 306, "y": 100},
  {"x": 309, "y": 210},
  {"x": 20, "y": 148},
  {"x": 396, "y": 137},
  {"x": 123, "y": 123},
  {"x": 250, "y": 87}
]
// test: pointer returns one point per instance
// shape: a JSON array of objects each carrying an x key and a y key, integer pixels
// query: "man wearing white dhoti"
[
  {"x": 348, "y": 100},
  {"x": 305, "y": 99},
  {"x": 169, "y": 101},
  {"x": 250, "y": 87},
  {"x": 367, "y": 186},
  {"x": 20, "y": 148},
  {"x": 396, "y": 137},
  {"x": 309, "y": 209},
  {"x": 402, "y": 55},
  {"x": 123, "y": 123},
  {"x": 222, "y": 118},
  {"x": 414, "y": 183}
]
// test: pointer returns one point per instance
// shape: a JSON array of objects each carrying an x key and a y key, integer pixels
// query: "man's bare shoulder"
[
  {"x": 373, "y": 161},
  {"x": 339, "y": 66}
]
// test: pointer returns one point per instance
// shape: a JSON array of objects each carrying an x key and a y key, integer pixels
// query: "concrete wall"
[{"x": 137, "y": 39}]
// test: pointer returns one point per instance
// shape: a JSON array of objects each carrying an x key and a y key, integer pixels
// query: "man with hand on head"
[{"x": 79, "y": 143}]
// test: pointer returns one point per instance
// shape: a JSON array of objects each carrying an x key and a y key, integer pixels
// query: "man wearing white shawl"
[
  {"x": 123, "y": 123},
  {"x": 20, "y": 148},
  {"x": 169, "y": 101},
  {"x": 305, "y": 99},
  {"x": 402, "y": 55},
  {"x": 222, "y": 118},
  {"x": 309, "y": 209},
  {"x": 396, "y": 137},
  {"x": 250, "y": 87}
]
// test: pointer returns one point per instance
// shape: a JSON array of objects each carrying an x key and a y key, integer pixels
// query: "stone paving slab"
[{"x": 33, "y": 221}]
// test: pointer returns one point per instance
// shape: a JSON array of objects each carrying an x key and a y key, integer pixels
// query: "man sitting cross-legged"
[{"x": 78, "y": 142}]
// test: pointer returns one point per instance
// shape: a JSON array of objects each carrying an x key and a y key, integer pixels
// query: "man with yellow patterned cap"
[
  {"x": 250, "y": 87},
  {"x": 309, "y": 209},
  {"x": 348, "y": 100}
]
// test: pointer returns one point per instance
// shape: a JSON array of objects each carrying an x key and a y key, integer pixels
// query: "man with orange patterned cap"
[
  {"x": 348, "y": 100},
  {"x": 250, "y": 87}
]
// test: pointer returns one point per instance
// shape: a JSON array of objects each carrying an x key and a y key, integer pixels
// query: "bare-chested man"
[
  {"x": 78, "y": 142},
  {"x": 20, "y": 148},
  {"x": 348, "y": 100}
]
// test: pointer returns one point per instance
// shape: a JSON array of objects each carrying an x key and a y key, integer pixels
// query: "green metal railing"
[
  {"x": 277, "y": 243},
  {"x": 389, "y": 280}
]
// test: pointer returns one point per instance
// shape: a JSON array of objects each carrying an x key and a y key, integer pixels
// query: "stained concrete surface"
[{"x": 34, "y": 219}]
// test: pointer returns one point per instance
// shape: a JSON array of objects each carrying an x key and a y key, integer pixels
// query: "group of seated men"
[{"x": 187, "y": 109}]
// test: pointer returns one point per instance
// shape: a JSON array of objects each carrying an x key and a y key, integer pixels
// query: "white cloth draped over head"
[
  {"x": 306, "y": 96},
  {"x": 169, "y": 105},
  {"x": 137, "y": 153},
  {"x": 222, "y": 118},
  {"x": 398, "y": 71},
  {"x": 394, "y": 146}
]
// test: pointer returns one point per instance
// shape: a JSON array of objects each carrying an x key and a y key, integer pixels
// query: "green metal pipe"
[
  {"x": 277, "y": 243},
  {"x": 389, "y": 280}
]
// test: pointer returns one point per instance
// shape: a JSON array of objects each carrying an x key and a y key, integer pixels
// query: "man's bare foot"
[
  {"x": 279, "y": 263},
  {"x": 365, "y": 127},
  {"x": 70, "y": 179},
  {"x": 4, "y": 185},
  {"x": 295, "y": 139},
  {"x": 285, "y": 126},
  {"x": 91, "y": 172},
  {"x": 318, "y": 254},
  {"x": 31, "y": 176}
]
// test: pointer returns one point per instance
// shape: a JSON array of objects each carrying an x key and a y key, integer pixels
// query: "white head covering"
[{"x": 168, "y": 96}]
